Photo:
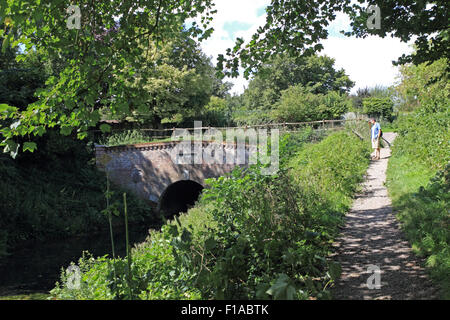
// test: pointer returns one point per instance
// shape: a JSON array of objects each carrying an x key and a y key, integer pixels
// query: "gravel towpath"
[{"x": 372, "y": 247}]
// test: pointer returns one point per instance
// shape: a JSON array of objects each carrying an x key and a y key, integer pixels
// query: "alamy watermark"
[
  {"x": 73, "y": 274},
  {"x": 74, "y": 20},
  {"x": 211, "y": 147},
  {"x": 374, "y": 281},
  {"x": 374, "y": 21}
]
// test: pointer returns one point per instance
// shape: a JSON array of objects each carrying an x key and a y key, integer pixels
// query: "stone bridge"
[{"x": 171, "y": 175}]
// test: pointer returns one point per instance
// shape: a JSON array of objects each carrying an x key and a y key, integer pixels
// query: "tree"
[
  {"x": 216, "y": 113},
  {"x": 299, "y": 104},
  {"x": 20, "y": 80},
  {"x": 292, "y": 27},
  {"x": 101, "y": 57},
  {"x": 426, "y": 20},
  {"x": 379, "y": 107},
  {"x": 178, "y": 83},
  {"x": 317, "y": 73},
  {"x": 362, "y": 93},
  {"x": 424, "y": 86},
  {"x": 357, "y": 98},
  {"x": 297, "y": 27},
  {"x": 424, "y": 92}
]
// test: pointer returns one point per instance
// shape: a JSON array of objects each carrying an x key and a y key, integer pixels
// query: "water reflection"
[{"x": 36, "y": 267}]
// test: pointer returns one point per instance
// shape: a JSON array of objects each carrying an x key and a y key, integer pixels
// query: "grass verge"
[
  {"x": 420, "y": 197},
  {"x": 418, "y": 181}
]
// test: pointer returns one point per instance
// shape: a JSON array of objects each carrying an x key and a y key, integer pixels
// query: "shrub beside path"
[{"x": 372, "y": 238}]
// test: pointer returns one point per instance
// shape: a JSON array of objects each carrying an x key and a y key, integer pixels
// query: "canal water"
[{"x": 36, "y": 267}]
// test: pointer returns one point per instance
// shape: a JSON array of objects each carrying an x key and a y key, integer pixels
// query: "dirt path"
[{"x": 372, "y": 239}]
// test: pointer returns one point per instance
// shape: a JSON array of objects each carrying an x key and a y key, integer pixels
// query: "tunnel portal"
[{"x": 179, "y": 197}]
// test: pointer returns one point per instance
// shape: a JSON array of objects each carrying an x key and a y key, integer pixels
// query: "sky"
[{"x": 368, "y": 62}]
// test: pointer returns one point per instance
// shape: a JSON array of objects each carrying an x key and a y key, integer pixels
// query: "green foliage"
[
  {"x": 99, "y": 62},
  {"x": 32, "y": 296},
  {"x": 422, "y": 201},
  {"x": 55, "y": 192},
  {"x": 292, "y": 27},
  {"x": 155, "y": 273},
  {"x": 418, "y": 172},
  {"x": 216, "y": 113},
  {"x": 376, "y": 91},
  {"x": 425, "y": 137},
  {"x": 378, "y": 107},
  {"x": 174, "y": 90},
  {"x": 426, "y": 21},
  {"x": 257, "y": 216},
  {"x": 299, "y": 104},
  {"x": 332, "y": 170},
  {"x": 250, "y": 236},
  {"x": 179, "y": 84},
  {"x": 125, "y": 137},
  {"x": 317, "y": 73},
  {"x": 110, "y": 64},
  {"x": 424, "y": 86},
  {"x": 297, "y": 27},
  {"x": 359, "y": 128},
  {"x": 20, "y": 80}
]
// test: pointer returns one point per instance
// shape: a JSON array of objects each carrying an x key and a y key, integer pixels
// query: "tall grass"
[
  {"x": 418, "y": 181},
  {"x": 249, "y": 237},
  {"x": 128, "y": 249}
]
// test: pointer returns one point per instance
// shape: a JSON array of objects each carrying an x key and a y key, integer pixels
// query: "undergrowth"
[
  {"x": 250, "y": 236},
  {"x": 55, "y": 193},
  {"x": 418, "y": 183}
]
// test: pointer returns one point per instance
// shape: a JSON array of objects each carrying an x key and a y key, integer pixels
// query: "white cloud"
[
  {"x": 232, "y": 11},
  {"x": 340, "y": 23},
  {"x": 228, "y": 12},
  {"x": 367, "y": 61}
]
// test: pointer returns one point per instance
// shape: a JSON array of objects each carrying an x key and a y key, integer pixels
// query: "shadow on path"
[{"x": 372, "y": 238}]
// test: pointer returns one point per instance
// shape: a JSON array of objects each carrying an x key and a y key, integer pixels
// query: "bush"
[
  {"x": 422, "y": 207},
  {"x": 251, "y": 236},
  {"x": 418, "y": 172},
  {"x": 424, "y": 86},
  {"x": 378, "y": 107},
  {"x": 125, "y": 137},
  {"x": 299, "y": 104},
  {"x": 55, "y": 192},
  {"x": 418, "y": 183},
  {"x": 424, "y": 137},
  {"x": 333, "y": 169}
]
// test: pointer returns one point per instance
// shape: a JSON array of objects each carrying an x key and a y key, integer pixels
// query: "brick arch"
[
  {"x": 148, "y": 169},
  {"x": 179, "y": 197}
]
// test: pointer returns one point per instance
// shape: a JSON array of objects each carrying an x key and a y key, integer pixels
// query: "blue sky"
[
  {"x": 367, "y": 61},
  {"x": 261, "y": 10},
  {"x": 233, "y": 27}
]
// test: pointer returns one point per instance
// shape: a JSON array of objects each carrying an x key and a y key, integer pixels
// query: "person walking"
[{"x": 375, "y": 136}]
